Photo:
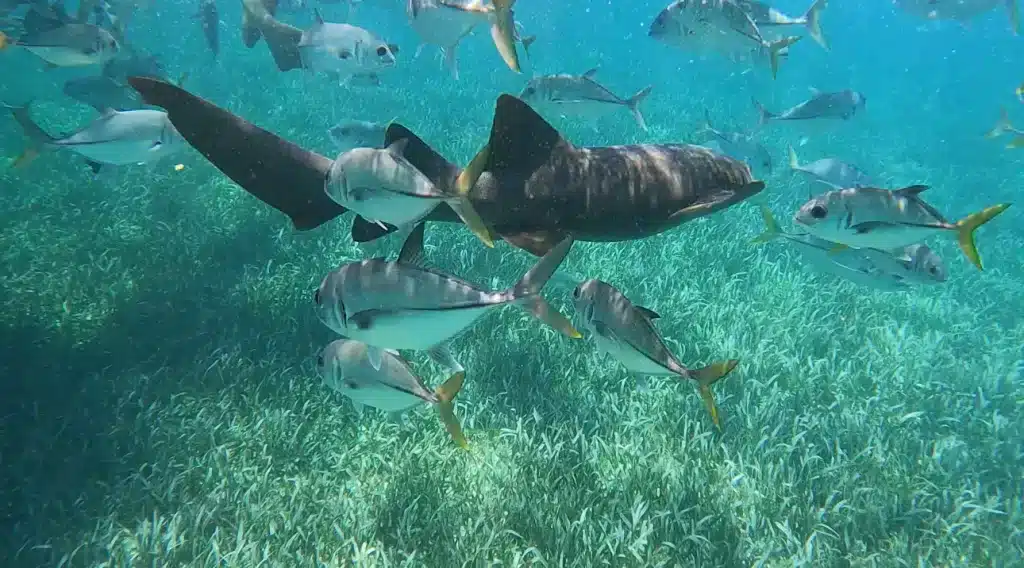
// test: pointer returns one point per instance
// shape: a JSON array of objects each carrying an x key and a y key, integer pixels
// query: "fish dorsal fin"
[
  {"x": 319, "y": 18},
  {"x": 521, "y": 140},
  {"x": 910, "y": 191},
  {"x": 814, "y": 91},
  {"x": 651, "y": 314},
  {"x": 398, "y": 147},
  {"x": 438, "y": 170},
  {"x": 589, "y": 73},
  {"x": 412, "y": 249}
]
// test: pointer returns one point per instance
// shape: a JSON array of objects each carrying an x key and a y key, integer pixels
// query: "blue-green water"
[{"x": 160, "y": 404}]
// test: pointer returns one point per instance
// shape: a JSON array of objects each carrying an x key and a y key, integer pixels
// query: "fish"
[
  {"x": 66, "y": 44},
  {"x": 404, "y": 305},
  {"x": 626, "y": 331},
  {"x": 350, "y": 134},
  {"x": 580, "y": 95},
  {"x": 764, "y": 15},
  {"x": 342, "y": 51},
  {"x": 960, "y": 10},
  {"x": 869, "y": 217},
  {"x": 344, "y": 365},
  {"x": 133, "y": 64},
  {"x": 830, "y": 171},
  {"x": 443, "y": 23},
  {"x": 1004, "y": 126},
  {"x": 741, "y": 145},
  {"x": 382, "y": 186},
  {"x": 717, "y": 26},
  {"x": 530, "y": 185},
  {"x": 102, "y": 93},
  {"x": 114, "y": 138},
  {"x": 209, "y": 21},
  {"x": 884, "y": 270},
  {"x": 5, "y": 41},
  {"x": 841, "y": 105},
  {"x": 1019, "y": 91}
]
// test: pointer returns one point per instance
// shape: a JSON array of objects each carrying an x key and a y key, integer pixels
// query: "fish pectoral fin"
[
  {"x": 96, "y": 167},
  {"x": 376, "y": 357},
  {"x": 412, "y": 249},
  {"x": 869, "y": 226},
  {"x": 535, "y": 242},
  {"x": 651, "y": 314},
  {"x": 156, "y": 146},
  {"x": 365, "y": 319},
  {"x": 441, "y": 355},
  {"x": 364, "y": 231}
]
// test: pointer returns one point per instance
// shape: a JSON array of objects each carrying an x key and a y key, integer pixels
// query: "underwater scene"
[{"x": 447, "y": 283}]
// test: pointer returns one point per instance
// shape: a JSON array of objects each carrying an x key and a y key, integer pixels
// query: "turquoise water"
[{"x": 160, "y": 403}]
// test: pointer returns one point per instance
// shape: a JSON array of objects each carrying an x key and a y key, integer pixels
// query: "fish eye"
[
  {"x": 576, "y": 293},
  {"x": 933, "y": 270},
  {"x": 382, "y": 51},
  {"x": 345, "y": 131},
  {"x": 320, "y": 360},
  {"x": 344, "y": 54},
  {"x": 819, "y": 212}
]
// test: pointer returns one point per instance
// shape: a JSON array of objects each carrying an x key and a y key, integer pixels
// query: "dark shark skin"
[{"x": 534, "y": 188}]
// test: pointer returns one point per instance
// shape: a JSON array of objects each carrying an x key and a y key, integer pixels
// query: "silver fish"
[
  {"x": 351, "y": 134},
  {"x": 740, "y": 145},
  {"x": 627, "y": 333},
  {"x": 884, "y": 270},
  {"x": 1004, "y": 126},
  {"x": 717, "y": 26},
  {"x": 382, "y": 186},
  {"x": 393, "y": 387},
  {"x": 959, "y": 10},
  {"x": 764, "y": 15},
  {"x": 830, "y": 171},
  {"x": 444, "y": 23},
  {"x": 835, "y": 105},
  {"x": 343, "y": 50},
  {"x": 114, "y": 138},
  {"x": 402, "y": 305},
  {"x": 69, "y": 44},
  {"x": 882, "y": 219},
  {"x": 579, "y": 95}
]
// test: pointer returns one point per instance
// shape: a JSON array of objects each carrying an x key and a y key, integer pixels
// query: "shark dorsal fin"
[{"x": 521, "y": 140}]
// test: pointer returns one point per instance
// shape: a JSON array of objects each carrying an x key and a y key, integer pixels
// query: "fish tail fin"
[
  {"x": 1001, "y": 126},
  {"x": 526, "y": 292},
  {"x": 283, "y": 40},
  {"x": 5, "y": 41},
  {"x": 1017, "y": 142},
  {"x": 965, "y": 230},
  {"x": 708, "y": 376},
  {"x": 633, "y": 104},
  {"x": 794, "y": 162},
  {"x": 446, "y": 394},
  {"x": 775, "y": 50},
  {"x": 1014, "y": 12},
  {"x": 451, "y": 63},
  {"x": 37, "y": 138},
  {"x": 527, "y": 42},
  {"x": 763, "y": 116},
  {"x": 771, "y": 227},
  {"x": 812, "y": 21},
  {"x": 503, "y": 33}
]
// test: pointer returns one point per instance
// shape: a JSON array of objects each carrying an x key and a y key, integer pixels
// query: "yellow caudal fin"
[
  {"x": 1002, "y": 125},
  {"x": 1017, "y": 142},
  {"x": 467, "y": 178},
  {"x": 812, "y": 21},
  {"x": 965, "y": 230},
  {"x": 503, "y": 32},
  {"x": 775, "y": 50},
  {"x": 708, "y": 376},
  {"x": 771, "y": 227},
  {"x": 446, "y": 394},
  {"x": 465, "y": 210},
  {"x": 794, "y": 162}
]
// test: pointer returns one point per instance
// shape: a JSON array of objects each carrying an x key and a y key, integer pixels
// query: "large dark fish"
[
  {"x": 529, "y": 184},
  {"x": 210, "y": 22}
]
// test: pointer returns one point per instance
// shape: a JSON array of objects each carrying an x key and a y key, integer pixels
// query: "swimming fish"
[
  {"x": 830, "y": 171},
  {"x": 741, "y": 145},
  {"x": 869, "y": 217},
  {"x": 403, "y": 305},
  {"x": 67, "y": 44},
  {"x": 627, "y": 333},
  {"x": 764, "y": 15},
  {"x": 1004, "y": 126},
  {"x": 884, "y": 270},
  {"x": 102, "y": 93},
  {"x": 209, "y": 21},
  {"x": 841, "y": 105},
  {"x": 531, "y": 186},
  {"x": 344, "y": 365},
  {"x": 579, "y": 95},
  {"x": 960, "y": 10},
  {"x": 114, "y": 138},
  {"x": 716, "y": 26},
  {"x": 350, "y": 134},
  {"x": 444, "y": 23},
  {"x": 382, "y": 186},
  {"x": 133, "y": 64}
]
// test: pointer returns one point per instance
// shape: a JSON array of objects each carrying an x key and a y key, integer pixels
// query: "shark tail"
[
  {"x": 965, "y": 230},
  {"x": 708, "y": 376},
  {"x": 1002, "y": 125},
  {"x": 771, "y": 227},
  {"x": 503, "y": 33},
  {"x": 37, "y": 138},
  {"x": 526, "y": 292},
  {"x": 633, "y": 104},
  {"x": 776, "y": 49},
  {"x": 812, "y": 21},
  {"x": 446, "y": 394}
]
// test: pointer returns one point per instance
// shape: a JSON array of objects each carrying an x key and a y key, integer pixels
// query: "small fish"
[
  {"x": 740, "y": 145},
  {"x": 822, "y": 105},
  {"x": 580, "y": 95},
  {"x": 382, "y": 186},
  {"x": 351, "y": 134},
  {"x": 114, "y": 138},
  {"x": 102, "y": 93},
  {"x": 67, "y": 44},
  {"x": 402, "y": 305},
  {"x": 209, "y": 20},
  {"x": 830, "y": 171},
  {"x": 717, "y": 26},
  {"x": 393, "y": 387},
  {"x": 765, "y": 16},
  {"x": 960, "y": 10},
  {"x": 869, "y": 217},
  {"x": 884, "y": 270},
  {"x": 1004, "y": 126},
  {"x": 627, "y": 333},
  {"x": 444, "y": 23},
  {"x": 1019, "y": 91}
]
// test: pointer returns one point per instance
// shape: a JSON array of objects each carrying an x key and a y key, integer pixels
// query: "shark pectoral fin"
[
  {"x": 364, "y": 231},
  {"x": 375, "y": 355},
  {"x": 441, "y": 355},
  {"x": 446, "y": 394},
  {"x": 692, "y": 212},
  {"x": 651, "y": 314},
  {"x": 708, "y": 376},
  {"x": 537, "y": 243}
]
